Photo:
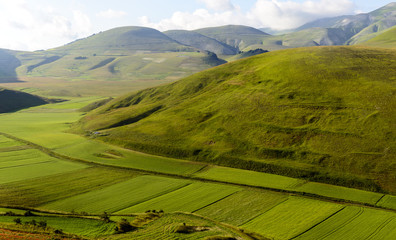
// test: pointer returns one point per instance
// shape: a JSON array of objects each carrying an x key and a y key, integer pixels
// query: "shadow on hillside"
[{"x": 8, "y": 66}]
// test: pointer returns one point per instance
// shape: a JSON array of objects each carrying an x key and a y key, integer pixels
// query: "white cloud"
[
  {"x": 110, "y": 13},
  {"x": 31, "y": 27},
  {"x": 218, "y": 5},
  {"x": 288, "y": 14},
  {"x": 276, "y": 14}
]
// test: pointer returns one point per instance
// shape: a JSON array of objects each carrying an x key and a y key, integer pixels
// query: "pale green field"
[
  {"x": 118, "y": 196},
  {"x": 99, "y": 152},
  {"x": 332, "y": 191},
  {"x": 291, "y": 217},
  {"x": 31, "y": 163},
  {"x": 242, "y": 206},
  {"x": 355, "y": 223},
  {"x": 251, "y": 178},
  {"x": 46, "y": 189},
  {"x": 187, "y": 199}
]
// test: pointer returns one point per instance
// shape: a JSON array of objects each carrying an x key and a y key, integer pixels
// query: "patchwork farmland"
[{"x": 69, "y": 181}]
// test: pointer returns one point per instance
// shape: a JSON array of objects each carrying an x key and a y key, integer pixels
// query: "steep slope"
[
  {"x": 323, "y": 113},
  {"x": 236, "y": 36},
  {"x": 11, "y": 100},
  {"x": 200, "y": 41},
  {"x": 387, "y": 39}
]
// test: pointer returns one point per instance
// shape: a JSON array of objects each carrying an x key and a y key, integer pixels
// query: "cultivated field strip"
[
  {"x": 118, "y": 196},
  {"x": 242, "y": 206},
  {"x": 164, "y": 227},
  {"x": 388, "y": 201},
  {"x": 338, "y": 192},
  {"x": 31, "y": 163},
  {"x": 355, "y": 223},
  {"x": 291, "y": 217},
  {"x": 187, "y": 199},
  {"x": 250, "y": 178},
  {"x": 46, "y": 189},
  {"x": 98, "y": 152}
]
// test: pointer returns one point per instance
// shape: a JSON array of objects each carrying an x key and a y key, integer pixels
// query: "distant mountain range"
[{"x": 139, "y": 54}]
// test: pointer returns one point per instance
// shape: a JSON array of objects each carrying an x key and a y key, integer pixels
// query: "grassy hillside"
[
  {"x": 200, "y": 41},
  {"x": 236, "y": 36},
  {"x": 387, "y": 39},
  {"x": 323, "y": 114},
  {"x": 11, "y": 100},
  {"x": 124, "y": 40}
]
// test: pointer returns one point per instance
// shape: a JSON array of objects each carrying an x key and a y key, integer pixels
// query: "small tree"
[
  {"x": 17, "y": 221},
  {"x": 42, "y": 224},
  {"x": 105, "y": 217},
  {"x": 124, "y": 226}
]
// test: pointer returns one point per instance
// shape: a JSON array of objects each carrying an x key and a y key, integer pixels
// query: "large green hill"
[{"x": 323, "y": 113}]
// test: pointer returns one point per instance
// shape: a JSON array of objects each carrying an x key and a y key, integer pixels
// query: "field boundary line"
[
  {"x": 201, "y": 179},
  {"x": 29, "y": 164},
  {"x": 376, "y": 203}
]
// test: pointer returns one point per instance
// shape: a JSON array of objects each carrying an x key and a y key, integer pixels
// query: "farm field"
[
  {"x": 242, "y": 206},
  {"x": 165, "y": 226},
  {"x": 388, "y": 201},
  {"x": 45, "y": 189},
  {"x": 338, "y": 192},
  {"x": 291, "y": 217},
  {"x": 187, "y": 199},
  {"x": 355, "y": 223},
  {"x": 31, "y": 163},
  {"x": 118, "y": 196},
  {"x": 79, "y": 226},
  {"x": 102, "y": 153},
  {"x": 250, "y": 178}
]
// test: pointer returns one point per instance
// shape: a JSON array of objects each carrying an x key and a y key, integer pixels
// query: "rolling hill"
[
  {"x": 202, "y": 42},
  {"x": 236, "y": 36},
  {"x": 323, "y": 114},
  {"x": 11, "y": 100}
]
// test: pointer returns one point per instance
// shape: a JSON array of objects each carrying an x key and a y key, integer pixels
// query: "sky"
[{"x": 43, "y": 24}]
